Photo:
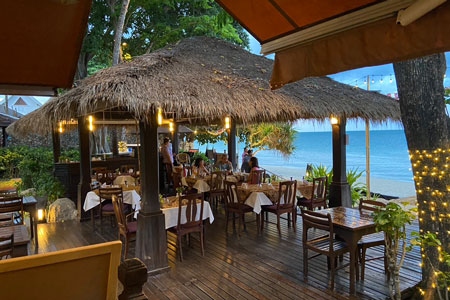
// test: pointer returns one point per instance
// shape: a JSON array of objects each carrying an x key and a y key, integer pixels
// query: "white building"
[{"x": 21, "y": 104}]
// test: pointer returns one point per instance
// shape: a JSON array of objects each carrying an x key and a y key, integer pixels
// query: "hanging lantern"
[
  {"x": 227, "y": 122},
  {"x": 60, "y": 129},
  {"x": 171, "y": 126},
  {"x": 160, "y": 117},
  {"x": 91, "y": 123}
]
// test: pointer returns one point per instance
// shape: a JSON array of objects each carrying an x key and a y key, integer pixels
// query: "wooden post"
[
  {"x": 85, "y": 166},
  {"x": 151, "y": 240},
  {"x": 4, "y": 136},
  {"x": 232, "y": 144},
  {"x": 114, "y": 142},
  {"x": 56, "y": 145},
  {"x": 175, "y": 139},
  {"x": 368, "y": 196},
  {"x": 340, "y": 194},
  {"x": 132, "y": 275}
]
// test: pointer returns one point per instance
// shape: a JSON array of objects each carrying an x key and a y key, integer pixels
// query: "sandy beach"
[{"x": 378, "y": 185}]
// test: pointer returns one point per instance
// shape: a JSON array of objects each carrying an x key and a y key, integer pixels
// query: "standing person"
[
  {"x": 166, "y": 152},
  {"x": 244, "y": 153},
  {"x": 245, "y": 161}
]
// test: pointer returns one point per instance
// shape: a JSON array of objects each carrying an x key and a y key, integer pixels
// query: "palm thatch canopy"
[{"x": 203, "y": 79}]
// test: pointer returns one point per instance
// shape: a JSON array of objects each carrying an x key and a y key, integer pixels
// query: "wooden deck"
[{"x": 245, "y": 267}]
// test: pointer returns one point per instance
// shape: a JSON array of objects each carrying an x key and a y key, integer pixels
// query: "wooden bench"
[
  {"x": 80, "y": 273},
  {"x": 21, "y": 239}
]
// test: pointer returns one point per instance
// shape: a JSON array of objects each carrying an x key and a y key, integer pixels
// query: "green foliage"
[
  {"x": 34, "y": 167},
  {"x": 392, "y": 220},
  {"x": 201, "y": 155},
  {"x": 320, "y": 171},
  {"x": 70, "y": 154},
  {"x": 153, "y": 24},
  {"x": 210, "y": 135},
  {"x": 269, "y": 136}
]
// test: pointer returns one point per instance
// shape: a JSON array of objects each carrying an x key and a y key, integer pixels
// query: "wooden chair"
[
  {"x": 257, "y": 176},
  {"x": 98, "y": 170},
  {"x": 6, "y": 246},
  {"x": 326, "y": 245},
  {"x": 11, "y": 211},
  {"x": 235, "y": 207},
  {"x": 187, "y": 170},
  {"x": 371, "y": 240},
  {"x": 285, "y": 205},
  {"x": 318, "y": 196},
  {"x": 188, "y": 206},
  {"x": 183, "y": 158},
  {"x": 217, "y": 189},
  {"x": 105, "y": 176},
  {"x": 127, "y": 227},
  {"x": 8, "y": 193},
  {"x": 106, "y": 208}
]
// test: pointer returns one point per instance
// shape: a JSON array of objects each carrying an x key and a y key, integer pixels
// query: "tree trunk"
[
  {"x": 119, "y": 32},
  {"x": 82, "y": 66},
  {"x": 423, "y": 111}
]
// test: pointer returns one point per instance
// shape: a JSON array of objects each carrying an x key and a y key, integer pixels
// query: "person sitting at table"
[
  {"x": 254, "y": 166},
  {"x": 199, "y": 168},
  {"x": 245, "y": 167},
  {"x": 223, "y": 164}
]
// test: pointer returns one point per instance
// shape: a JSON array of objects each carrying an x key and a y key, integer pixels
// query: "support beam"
[
  {"x": 232, "y": 144},
  {"x": 340, "y": 194},
  {"x": 175, "y": 139},
  {"x": 85, "y": 166},
  {"x": 151, "y": 241},
  {"x": 56, "y": 145},
  {"x": 114, "y": 142},
  {"x": 4, "y": 136}
]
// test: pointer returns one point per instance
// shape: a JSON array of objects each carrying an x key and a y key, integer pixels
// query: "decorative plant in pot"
[{"x": 392, "y": 220}]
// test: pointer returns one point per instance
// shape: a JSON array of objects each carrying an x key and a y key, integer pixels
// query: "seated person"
[
  {"x": 223, "y": 164},
  {"x": 254, "y": 166},
  {"x": 245, "y": 167},
  {"x": 199, "y": 168}
]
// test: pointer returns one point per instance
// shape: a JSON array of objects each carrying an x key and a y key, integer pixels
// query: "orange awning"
[
  {"x": 40, "y": 44},
  {"x": 316, "y": 38}
]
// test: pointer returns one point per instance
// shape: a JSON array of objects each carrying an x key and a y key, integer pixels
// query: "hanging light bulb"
[
  {"x": 333, "y": 120},
  {"x": 91, "y": 123},
  {"x": 227, "y": 122},
  {"x": 171, "y": 126},
  {"x": 160, "y": 118},
  {"x": 60, "y": 129},
  {"x": 373, "y": 80}
]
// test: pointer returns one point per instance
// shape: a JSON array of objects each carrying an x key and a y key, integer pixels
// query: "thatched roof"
[{"x": 204, "y": 79}]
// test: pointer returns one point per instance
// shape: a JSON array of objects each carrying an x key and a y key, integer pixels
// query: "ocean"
[{"x": 389, "y": 157}]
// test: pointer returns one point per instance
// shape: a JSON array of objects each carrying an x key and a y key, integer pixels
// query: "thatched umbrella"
[{"x": 202, "y": 80}]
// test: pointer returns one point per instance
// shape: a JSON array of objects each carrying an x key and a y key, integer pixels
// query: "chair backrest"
[
  {"x": 189, "y": 202},
  {"x": 99, "y": 170},
  {"x": 104, "y": 176},
  {"x": 317, "y": 220},
  {"x": 109, "y": 192},
  {"x": 183, "y": 158},
  {"x": 6, "y": 246},
  {"x": 287, "y": 194},
  {"x": 370, "y": 205},
  {"x": 120, "y": 217},
  {"x": 217, "y": 179},
  {"x": 94, "y": 269},
  {"x": 8, "y": 193},
  {"x": 319, "y": 191},
  {"x": 176, "y": 178},
  {"x": 230, "y": 193},
  {"x": 125, "y": 169},
  {"x": 258, "y": 176},
  {"x": 12, "y": 205}
]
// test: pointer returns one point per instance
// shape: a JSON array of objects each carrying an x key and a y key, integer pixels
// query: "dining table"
[
  {"x": 200, "y": 183},
  {"x": 21, "y": 239},
  {"x": 351, "y": 225},
  {"x": 30, "y": 206},
  {"x": 131, "y": 195},
  {"x": 170, "y": 206}
]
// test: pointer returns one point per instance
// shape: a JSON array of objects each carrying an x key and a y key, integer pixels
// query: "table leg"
[
  {"x": 33, "y": 225},
  {"x": 352, "y": 266}
]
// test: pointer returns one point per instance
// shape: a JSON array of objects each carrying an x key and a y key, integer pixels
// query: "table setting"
[{"x": 130, "y": 196}]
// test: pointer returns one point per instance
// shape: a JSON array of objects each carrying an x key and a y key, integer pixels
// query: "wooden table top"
[
  {"x": 20, "y": 233},
  {"x": 349, "y": 218},
  {"x": 137, "y": 188}
]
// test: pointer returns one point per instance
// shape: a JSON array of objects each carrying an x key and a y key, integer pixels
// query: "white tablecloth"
[
  {"x": 200, "y": 185},
  {"x": 120, "y": 180},
  {"x": 129, "y": 197},
  {"x": 171, "y": 214},
  {"x": 256, "y": 199}
]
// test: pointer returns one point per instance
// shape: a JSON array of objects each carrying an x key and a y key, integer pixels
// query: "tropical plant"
[
  {"x": 200, "y": 155},
  {"x": 356, "y": 188},
  {"x": 392, "y": 221},
  {"x": 70, "y": 155}
]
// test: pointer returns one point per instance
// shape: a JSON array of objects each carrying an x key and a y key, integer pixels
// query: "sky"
[{"x": 382, "y": 79}]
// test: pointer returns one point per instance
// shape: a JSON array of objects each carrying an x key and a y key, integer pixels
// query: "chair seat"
[
  {"x": 132, "y": 227},
  {"x": 373, "y": 239},
  {"x": 274, "y": 208},
  {"x": 240, "y": 206},
  {"x": 303, "y": 201},
  {"x": 108, "y": 208},
  {"x": 324, "y": 245}
]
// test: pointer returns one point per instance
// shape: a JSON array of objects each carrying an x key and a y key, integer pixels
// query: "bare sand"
[{"x": 400, "y": 189}]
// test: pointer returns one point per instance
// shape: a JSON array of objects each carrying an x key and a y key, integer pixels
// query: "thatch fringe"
[{"x": 205, "y": 79}]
